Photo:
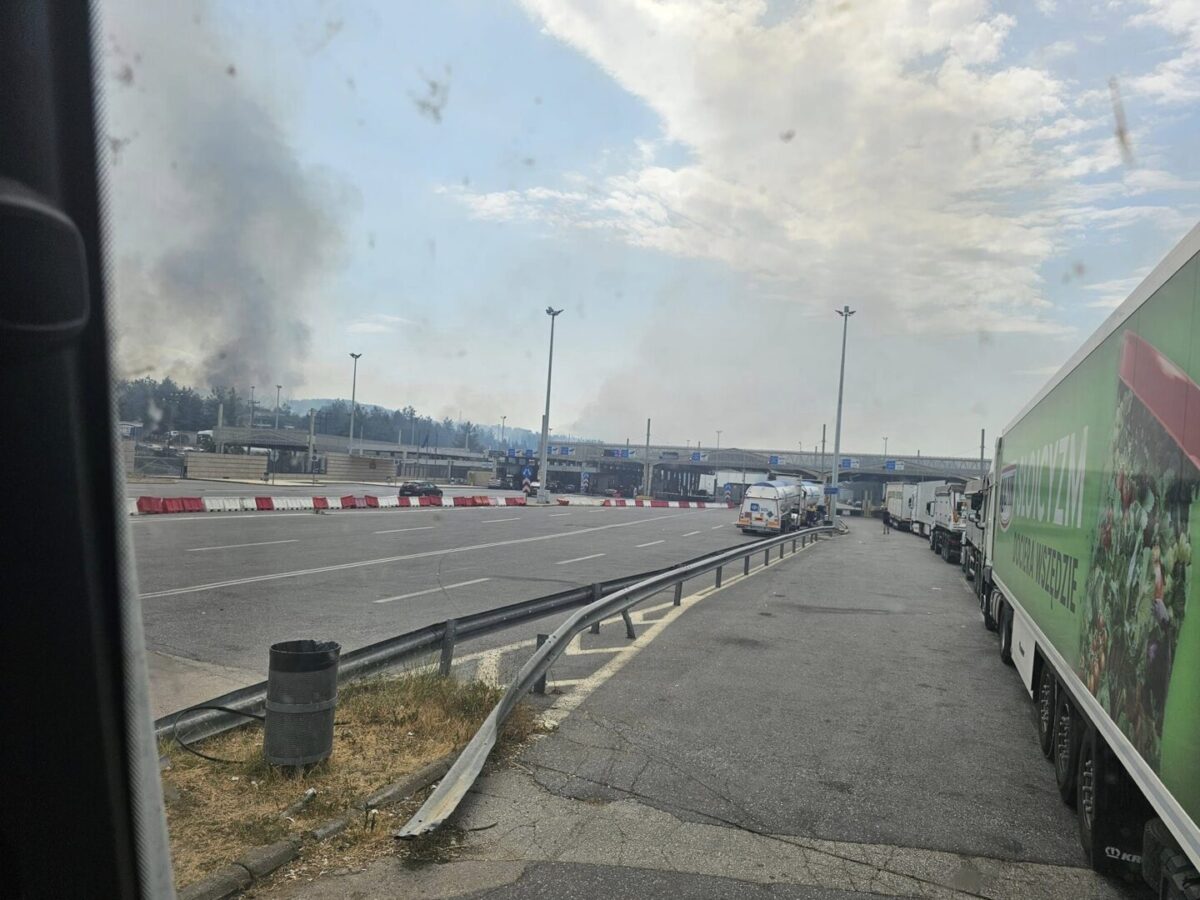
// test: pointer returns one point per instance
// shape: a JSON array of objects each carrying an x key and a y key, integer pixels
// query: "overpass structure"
[{"x": 674, "y": 470}]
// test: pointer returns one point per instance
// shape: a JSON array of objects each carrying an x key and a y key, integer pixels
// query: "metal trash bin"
[{"x": 301, "y": 702}]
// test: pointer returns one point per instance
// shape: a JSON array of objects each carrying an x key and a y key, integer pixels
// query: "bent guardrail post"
[
  {"x": 466, "y": 769},
  {"x": 539, "y": 686},
  {"x": 447, "y": 657},
  {"x": 629, "y": 629}
]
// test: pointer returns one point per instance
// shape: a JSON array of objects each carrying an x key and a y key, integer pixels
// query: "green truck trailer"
[{"x": 1088, "y": 521}]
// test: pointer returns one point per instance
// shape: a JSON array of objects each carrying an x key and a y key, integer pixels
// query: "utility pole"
[
  {"x": 221, "y": 423},
  {"x": 647, "y": 466},
  {"x": 543, "y": 473},
  {"x": 249, "y": 444},
  {"x": 885, "y": 446},
  {"x": 278, "y": 388},
  {"x": 312, "y": 456},
  {"x": 353, "y": 395},
  {"x": 822, "y": 452},
  {"x": 982, "y": 470},
  {"x": 503, "y": 446},
  {"x": 845, "y": 312}
]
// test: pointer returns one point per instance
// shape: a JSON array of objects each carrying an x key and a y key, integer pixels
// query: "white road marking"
[
  {"x": 433, "y": 590},
  {"x": 494, "y": 521},
  {"x": 556, "y": 515},
  {"x": 715, "y": 527},
  {"x": 414, "y": 528},
  {"x": 690, "y": 533},
  {"x": 246, "y": 516},
  {"x": 650, "y": 544},
  {"x": 563, "y": 562},
  {"x": 236, "y": 546},
  {"x": 386, "y": 560}
]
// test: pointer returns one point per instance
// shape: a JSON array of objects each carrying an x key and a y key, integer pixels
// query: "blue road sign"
[
  {"x": 890, "y": 465},
  {"x": 527, "y": 472},
  {"x": 512, "y": 451},
  {"x": 585, "y": 480},
  {"x": 696, "y": 457},
  {"x": 830, "y": 490},
  {"x": 529, "y": 454},
  {"x": 773, "y": 460}
]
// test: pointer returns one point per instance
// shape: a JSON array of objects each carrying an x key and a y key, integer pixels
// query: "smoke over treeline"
[{"x": 220, "y": 235}]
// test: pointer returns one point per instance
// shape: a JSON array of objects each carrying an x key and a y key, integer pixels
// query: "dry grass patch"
[{"x": 386, "y": 728}]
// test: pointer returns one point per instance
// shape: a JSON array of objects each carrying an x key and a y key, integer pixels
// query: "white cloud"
[
  {"x": 379, "y": 323},
  {"x": 1176, "y": 80}
]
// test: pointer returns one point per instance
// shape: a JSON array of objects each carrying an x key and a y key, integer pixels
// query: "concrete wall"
[
  {"x": 343, "y": 467},
  {"x": 225, "y": 465}
]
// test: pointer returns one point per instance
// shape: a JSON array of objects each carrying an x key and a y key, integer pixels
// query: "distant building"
[{"x": 130, "y": 431}]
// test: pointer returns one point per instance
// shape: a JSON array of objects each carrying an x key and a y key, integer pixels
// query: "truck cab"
[{"x": 949, "y": 523}]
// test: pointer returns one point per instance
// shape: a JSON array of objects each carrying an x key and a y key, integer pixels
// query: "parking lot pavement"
[{"x": 837, "y": 722}]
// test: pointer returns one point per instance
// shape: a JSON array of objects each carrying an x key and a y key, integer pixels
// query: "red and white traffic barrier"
[{"x": 144, "y": 506}]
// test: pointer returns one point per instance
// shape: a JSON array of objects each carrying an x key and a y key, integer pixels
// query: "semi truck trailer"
[
  {"x": 1086, "y": 531},
  {"x": 899, "y": 500}
]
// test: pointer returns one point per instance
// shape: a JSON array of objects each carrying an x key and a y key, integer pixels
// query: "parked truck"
[
  {"x": 974, "y": 556},
  {"x": 948, "y": 522},
  {"x": 900, "y": 499},
  {"x": 772, "y": 507},
  {"x": 1086, "y": 533},
  {"x": 922, "y": 517}
]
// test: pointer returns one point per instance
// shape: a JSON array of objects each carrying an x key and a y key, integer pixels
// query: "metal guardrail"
[
  {"x": 201, "y": 721},
  {"x": 462, "y": 775}
]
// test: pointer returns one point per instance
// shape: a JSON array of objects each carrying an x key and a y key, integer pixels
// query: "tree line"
[{"x": 165, "y": 406}]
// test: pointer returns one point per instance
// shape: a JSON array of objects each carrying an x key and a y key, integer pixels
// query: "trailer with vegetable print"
[{"x": 1092, "y": 513}]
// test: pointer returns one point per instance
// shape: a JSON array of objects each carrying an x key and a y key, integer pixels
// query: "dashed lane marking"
[
  {"x": 433, "y": 590},
  {"x": 563, "y": 562},
  {"x": 239, "y": 546}
]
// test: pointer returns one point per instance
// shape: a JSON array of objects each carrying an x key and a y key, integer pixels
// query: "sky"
[{"x": 698, "y": 184}]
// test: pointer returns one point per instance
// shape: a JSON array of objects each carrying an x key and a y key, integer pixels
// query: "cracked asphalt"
[{"x": 838, "y": 725}]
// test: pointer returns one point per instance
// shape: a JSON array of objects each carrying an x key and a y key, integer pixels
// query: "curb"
[{"x": 259, "y": 862}]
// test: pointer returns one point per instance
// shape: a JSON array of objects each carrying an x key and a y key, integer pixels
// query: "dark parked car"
[{"x": 420, "y": 489}]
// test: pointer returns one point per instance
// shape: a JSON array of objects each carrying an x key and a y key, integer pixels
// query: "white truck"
[
  {"x": 900, "y": 499},
  {"x": 1087, "y": 526},
  {"x": 772, "y": 507},
  {"x": 922, "y": 520},
  {"x": 948, "y": 522}
]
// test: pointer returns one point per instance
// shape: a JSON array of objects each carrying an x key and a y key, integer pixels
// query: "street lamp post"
[
  {"x": 251, "y": 406},
  {"x": 353, "y": 395},
  {"x": 542, "y": 494},
  {"x": 845, "y": 312},
  {"x": 503, "y": 446},
  {"x": 278, "y": 388},
  {"x": 885, "y": 447},
  {"x": 718, "y": 439}
]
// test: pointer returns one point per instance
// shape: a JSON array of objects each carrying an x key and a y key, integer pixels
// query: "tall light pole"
[
  {"x": 278, "y": 388},
  {"x": 251, "y": 406},
  {"x": 885, "y": 446},
  {"x": 353, "y": 394},
  {"x": 718, "y": 438},
  {"x": 542, "y": 494},
  {"x": 845, "y": 312},
  {"x": 503, "y": 446}
]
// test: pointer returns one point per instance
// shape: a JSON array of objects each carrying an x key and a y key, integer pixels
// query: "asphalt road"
[{"x": 218, "y": 589}]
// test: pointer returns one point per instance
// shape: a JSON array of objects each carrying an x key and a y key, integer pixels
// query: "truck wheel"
[
  {"x": 1045, "y": 711},
  {"x": 933, "y": 541},
  {"x": 1112, "y": 811},
  {"x": 1006, "y": 627},
  {"x": 985, "y": 608},
  {"x": 1066, "y": 746}
]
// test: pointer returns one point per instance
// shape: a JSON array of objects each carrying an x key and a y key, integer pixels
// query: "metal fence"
[{"x": 454, "y": 786}]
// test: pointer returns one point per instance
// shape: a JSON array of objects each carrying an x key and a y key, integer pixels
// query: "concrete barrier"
[
  {"x": 343, "y": 467},
  {"x": 217, "y": 466}
]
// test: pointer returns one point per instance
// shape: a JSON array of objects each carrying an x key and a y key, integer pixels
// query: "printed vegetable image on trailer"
[{"x": 1096, "y": 517}]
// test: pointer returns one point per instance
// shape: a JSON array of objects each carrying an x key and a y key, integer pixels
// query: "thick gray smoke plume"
[{"x": 220, "y": 236}]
